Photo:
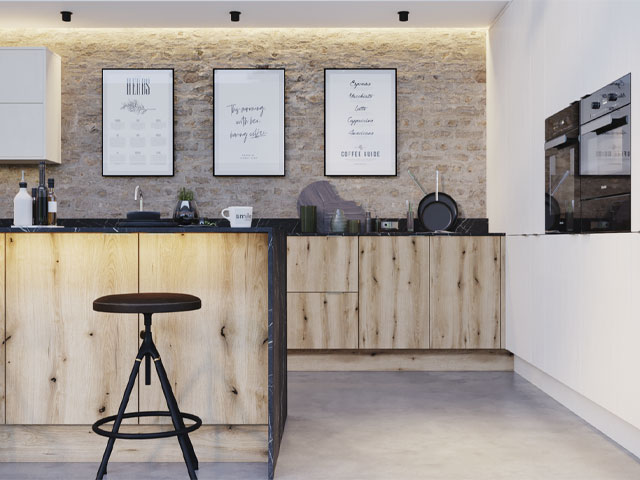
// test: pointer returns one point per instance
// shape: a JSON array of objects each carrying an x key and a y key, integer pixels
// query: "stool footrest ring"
[{"x": 148, "y": 435}]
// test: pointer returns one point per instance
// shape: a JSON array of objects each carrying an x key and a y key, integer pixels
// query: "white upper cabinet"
[{"x": 30, "y": 105}]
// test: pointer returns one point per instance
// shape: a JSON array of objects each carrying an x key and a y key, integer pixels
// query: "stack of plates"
[{"x": 324, "y": 196}]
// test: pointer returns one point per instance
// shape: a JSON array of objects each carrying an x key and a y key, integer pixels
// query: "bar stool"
[{"x": 148, "y": 304}]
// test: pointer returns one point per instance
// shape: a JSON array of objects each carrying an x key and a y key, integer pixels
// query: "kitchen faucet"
[{"x": 138, "y": 193}]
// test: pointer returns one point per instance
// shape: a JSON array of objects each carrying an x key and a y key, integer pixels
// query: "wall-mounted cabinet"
[
  {"x": 413, "y": 292},
  {"x": 30, "y": 105}
]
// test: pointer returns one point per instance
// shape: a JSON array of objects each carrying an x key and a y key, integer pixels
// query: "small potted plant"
[{"x": 186, "y": 211}]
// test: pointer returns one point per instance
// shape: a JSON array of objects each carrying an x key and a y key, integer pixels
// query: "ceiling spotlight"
[
  {"x": 403, "y": 16},
  {"x": 66, "y": 16},
  {"x": 235, "y": 16}
]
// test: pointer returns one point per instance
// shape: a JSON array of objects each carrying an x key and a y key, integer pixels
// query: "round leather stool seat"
[{"x": 147, "y": 303}]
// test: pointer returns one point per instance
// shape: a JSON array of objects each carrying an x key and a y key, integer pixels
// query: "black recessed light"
[
  {"x": 235, "y": 16},
  {"x": 403, "y": 16},
  {"x": 66, "y": 16}
]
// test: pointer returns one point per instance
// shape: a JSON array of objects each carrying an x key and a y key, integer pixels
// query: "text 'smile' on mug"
[{"x": 239, "y": 217}]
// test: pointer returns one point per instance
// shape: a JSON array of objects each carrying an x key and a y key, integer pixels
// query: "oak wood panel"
[
  {"x": 465, "y": 292},
  {"x": 67, "y": 364},
  {"x": 503, "y": 293},
  {"x": 322, "y": 320},
  {"x": 216, "y": 357},
  {"x": 2, "y": 327},
  {"x": 78, "y": 443},
  {"x": 394, "y": 360},
  {"x": 322, "y": 264},
  {"x": 394, "y": 292}
]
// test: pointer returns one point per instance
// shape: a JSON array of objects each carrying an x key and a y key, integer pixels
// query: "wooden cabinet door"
[
  {"x": 65, "y": 363},
  {"x": 394, "y": 292},
  {"x": 2, "y": 331},
  {"x": 215, "y": 357},
  {"x": 322, "y": 264},
  {"x": 322, "y": 320},
  {"x": 465, "y": 292}
]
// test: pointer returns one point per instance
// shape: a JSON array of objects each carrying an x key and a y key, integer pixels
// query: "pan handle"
[
  {"x": 437, "y": 183},
  {"x": 416, "y": 180}
]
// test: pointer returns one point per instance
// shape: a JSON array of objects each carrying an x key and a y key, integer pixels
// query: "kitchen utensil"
[
  {"x": 339, "y": 222},
  {"x": 431, "y": 197},
  {"x": 353, "y": 226},
  {"x": 307, "y": 218},
  {"x": 239, "y": 217},
  {"x": 437, "y": 211}
]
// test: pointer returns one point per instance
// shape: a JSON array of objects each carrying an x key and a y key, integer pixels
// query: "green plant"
[{"x": 185, "y": 194}]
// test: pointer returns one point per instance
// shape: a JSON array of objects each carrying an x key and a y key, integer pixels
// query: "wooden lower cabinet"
[
  {"x": 322, "y": 320},
  {"x": 394, "y": 292},
  {"x": 322, "y": 264},
  {"x": 65, "y": 363},
  {"x": 216, "y": 357},
  {"x": 2, "y": 330},
  {"x": 465, "y": 292}
]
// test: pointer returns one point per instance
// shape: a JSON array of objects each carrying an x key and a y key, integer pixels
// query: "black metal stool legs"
[
  {"x": 149, "y": 352},
  {"x": 188, "y": 453},
  {"x": 116, "y": 424}
]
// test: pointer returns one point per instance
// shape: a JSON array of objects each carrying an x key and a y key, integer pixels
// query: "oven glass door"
[
  {"x": 605, "y": 144},
  {"x": 561, "y": 184}
]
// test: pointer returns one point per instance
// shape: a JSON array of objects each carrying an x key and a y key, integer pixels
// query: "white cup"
[{"x": 239, "y": 217}]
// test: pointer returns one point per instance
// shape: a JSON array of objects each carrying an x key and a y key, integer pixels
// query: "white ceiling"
[{"x": 255, "y": 13}]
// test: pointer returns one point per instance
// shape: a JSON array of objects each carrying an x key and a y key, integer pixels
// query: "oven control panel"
[{"x": 615, "y": 95}]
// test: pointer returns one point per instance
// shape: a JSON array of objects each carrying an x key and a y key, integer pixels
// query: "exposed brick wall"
[{"x": 441, "y": 115}]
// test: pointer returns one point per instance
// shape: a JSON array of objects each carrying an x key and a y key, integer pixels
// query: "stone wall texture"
[{"x": 441, "y": 115}]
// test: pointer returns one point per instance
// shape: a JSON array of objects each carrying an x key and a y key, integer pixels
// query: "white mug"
[{"x": 239, "y": 217}]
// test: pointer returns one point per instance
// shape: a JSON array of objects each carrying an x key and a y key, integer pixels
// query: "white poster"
[
  {"x": 248, "y": 122},
  {"x": 137, "y": 122},
  {"x": 360, "y": 122}
]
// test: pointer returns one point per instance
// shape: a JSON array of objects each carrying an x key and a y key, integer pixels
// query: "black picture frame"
[
  {"x": 171, "y": 122},
  {"x": 284, "y": 116},
  {"x": 395, "y": 122}
]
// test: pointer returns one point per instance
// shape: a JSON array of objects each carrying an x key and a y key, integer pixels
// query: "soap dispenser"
[{"x": 22, "y": 206}]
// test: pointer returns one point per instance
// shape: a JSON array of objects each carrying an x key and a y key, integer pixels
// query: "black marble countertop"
[{"x": 288, "y": 226}]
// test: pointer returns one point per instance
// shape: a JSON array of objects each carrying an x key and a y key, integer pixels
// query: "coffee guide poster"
[
  {"x": 137, "y": 117},
  {"x": 360, "y": 122}
]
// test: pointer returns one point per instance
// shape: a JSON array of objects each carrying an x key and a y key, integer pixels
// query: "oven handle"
[
  {"x": 609, "y": 122},
  {"x": 560, "y": 142}
]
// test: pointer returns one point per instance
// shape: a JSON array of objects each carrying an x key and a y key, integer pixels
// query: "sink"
[
  {"x": 143, "y": 216},
  {"x": 146, "y": 219}
]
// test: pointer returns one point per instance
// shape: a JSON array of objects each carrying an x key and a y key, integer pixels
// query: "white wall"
[
  {"x": 541, "y": 56},
  {"x": 573, "y": 302}
]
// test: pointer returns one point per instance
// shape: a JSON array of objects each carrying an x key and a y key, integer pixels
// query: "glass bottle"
[
  {"x": 34, "y": 207},
  {"x": 42, "y": 197},
  {"x": 52, "y": 205}
]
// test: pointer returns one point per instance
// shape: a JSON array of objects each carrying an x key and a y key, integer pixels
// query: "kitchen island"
[{"x": 66, "y": 365}]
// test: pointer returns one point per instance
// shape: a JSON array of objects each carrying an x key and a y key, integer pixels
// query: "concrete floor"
[{"x": 407, "y": 426}]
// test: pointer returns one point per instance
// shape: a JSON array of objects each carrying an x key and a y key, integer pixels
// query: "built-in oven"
[
  {"x": 605, "y": 158},
  {"x": 562, "y": 183}
]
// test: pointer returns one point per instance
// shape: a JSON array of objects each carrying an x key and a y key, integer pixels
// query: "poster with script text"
[
  {"x": 248, "y": 122},
  {"x": 137, "y": 122},
  {"x": 360, "y": 122}
]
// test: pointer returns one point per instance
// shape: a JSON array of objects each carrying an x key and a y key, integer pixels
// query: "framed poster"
[
  {"x": 248, "y": 122},
  {"x": 360, "y": 122},
  {"x": 137, "y": 122}
]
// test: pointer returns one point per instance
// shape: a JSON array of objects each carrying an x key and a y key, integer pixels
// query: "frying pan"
[{"x": 436, "y": 211}]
